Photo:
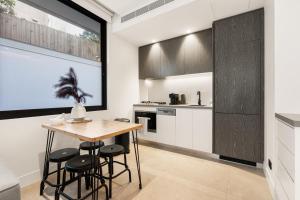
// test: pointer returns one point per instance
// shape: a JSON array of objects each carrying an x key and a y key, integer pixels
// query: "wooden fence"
[{"x": 35, "y": 34}]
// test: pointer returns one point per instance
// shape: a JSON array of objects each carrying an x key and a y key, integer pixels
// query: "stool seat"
[
  {"x": 80, "y": 163},
  {"x": 63, "y": 155},
  {"x": 111, "y": 150},
  {"x": 89, "y": 145}
]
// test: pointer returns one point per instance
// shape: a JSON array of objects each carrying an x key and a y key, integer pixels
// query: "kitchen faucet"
[{"x": 199, "y": 99}]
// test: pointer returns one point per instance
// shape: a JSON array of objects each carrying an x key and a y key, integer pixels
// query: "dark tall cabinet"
[{"x": 239, "y": 86}]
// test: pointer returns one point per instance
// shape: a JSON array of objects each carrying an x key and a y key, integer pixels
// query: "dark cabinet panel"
[
  {"x": 187, "y": 54},
  {"x": 144, "y": 70},
  {"x": 238, "y": 44},
  {"x": 238, "y": 136},
  {"x": 149, "y": 61},
  {"x": 237, "y": 77},
  {"x": 243, "y": 27},
  {"x": 198, "y": 52},
  {"x": 172, "y": 57}
]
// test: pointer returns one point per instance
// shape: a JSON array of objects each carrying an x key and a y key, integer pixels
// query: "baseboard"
[
  {"x": 270, "y": 181},
  {"x": 29, "y": 178},
  {"x": 180, "y": 150}
]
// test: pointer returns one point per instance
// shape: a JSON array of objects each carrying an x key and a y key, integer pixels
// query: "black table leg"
[
  {"x": 49, "y": 143},
  {"x": 137, "y": 155},
  {"x": 93, "y": 178}
]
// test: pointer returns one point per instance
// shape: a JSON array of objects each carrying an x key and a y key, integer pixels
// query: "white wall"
[
  {"x": 23, "y": 141},
  {"x": 287, "y": 51},
  {"x": 269, "y": 90},
  {"x": 159, "y": 90},
  {"x": 282, "y": 69}
]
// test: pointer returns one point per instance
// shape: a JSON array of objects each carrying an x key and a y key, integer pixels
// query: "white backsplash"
[{"x": 159, "y": 90}]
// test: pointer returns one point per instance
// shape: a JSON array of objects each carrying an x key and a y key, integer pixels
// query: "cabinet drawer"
[
  {"x": 184, "y": 128},
  {"x": 286, "y": 182},
  {"x": 287, "y": 159},
  {"x": 238, "y": 136},
  {"x": 286, "y": 135},
  {"x": 202, "y": 130},
  {"x": 280, "y": 194}
]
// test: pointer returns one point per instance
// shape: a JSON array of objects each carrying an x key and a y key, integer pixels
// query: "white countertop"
[{"x": 173, "y": 106}]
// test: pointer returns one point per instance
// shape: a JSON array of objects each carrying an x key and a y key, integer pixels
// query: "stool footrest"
[
  {"x": 86, "y": 196},
  {"x": 115, "y": 176}
]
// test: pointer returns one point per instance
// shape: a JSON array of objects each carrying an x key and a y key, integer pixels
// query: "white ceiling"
[
  {"x": 193, "y": 16},
  {"x": 124, "y": 6}
]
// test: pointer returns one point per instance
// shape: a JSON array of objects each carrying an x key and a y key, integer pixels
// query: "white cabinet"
[
  {"x": 190, "y": 128},
  {"x": 184, "y": 128},
  {"x": 166, "y": 129},
  {"x": 202, "y": 130},
  {"x": 286, "y": 175}
]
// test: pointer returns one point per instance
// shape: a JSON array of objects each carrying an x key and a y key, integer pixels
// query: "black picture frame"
[{"x": 12, "y": 114}]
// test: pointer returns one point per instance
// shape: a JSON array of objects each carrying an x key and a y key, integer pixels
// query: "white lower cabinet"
[
  {"x": 286, "y": 175},
  {"x": 189, "y": 128},
  {"x": 184, "y": 128},
  {"x": 166, "y": 126},
  {"x": 202, "y": 130}
]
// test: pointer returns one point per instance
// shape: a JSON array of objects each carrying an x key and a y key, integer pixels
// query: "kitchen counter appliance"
[
  {"x": 151, "y": 122},
  {"x": 174, "y": 99},
  {"x": 166, "y": 125}
]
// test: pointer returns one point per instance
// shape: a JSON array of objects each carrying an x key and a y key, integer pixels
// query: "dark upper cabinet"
[
  {"x": 198, "y": 52},
  {"x": 150, "y": 62},
  {"x": 182, "y": 55},
  {"x": 238, "y": 136},
  {"x": 239, "y": 28},
  {"x": 172, "y": 57}
]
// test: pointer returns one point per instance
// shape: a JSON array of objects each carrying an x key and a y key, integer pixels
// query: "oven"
[{"x": 151, "y": 115}]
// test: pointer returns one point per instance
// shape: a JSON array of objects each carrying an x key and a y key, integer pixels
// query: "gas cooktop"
[{"x": 154, "y": 102}]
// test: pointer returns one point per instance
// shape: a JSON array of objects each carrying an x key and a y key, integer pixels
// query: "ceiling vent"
[{"x": 145, "y": 9}]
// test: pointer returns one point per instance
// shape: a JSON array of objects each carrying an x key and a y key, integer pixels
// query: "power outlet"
[{"x": 270, "y": 164}]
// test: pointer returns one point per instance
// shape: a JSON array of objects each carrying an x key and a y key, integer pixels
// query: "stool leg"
[
  {"x": 110, "y": 171},
  {"x": 112, "y": 165},
  {"x": 126, "y": 167},
  {"x": 87, "y": 180},
  {"x": 72, "y": 176},
  {"x": 106, "y": 192},
  {"x": 63, "y": 183},
  {"x": 58, "y": 181},
  {"x": 79, "y": 186}
]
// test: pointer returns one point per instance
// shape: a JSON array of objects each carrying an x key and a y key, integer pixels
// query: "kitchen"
[
  {"x": 185, "y": 95},
  {"x": 149, "y": 99}
]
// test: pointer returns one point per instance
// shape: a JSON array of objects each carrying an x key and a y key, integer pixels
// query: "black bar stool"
[
  {"x": 89, "y": 146},
  {"x": 58, "y": 157},
  {"x": 110, "y": 151},
  {"x": 82, "y": 166}
]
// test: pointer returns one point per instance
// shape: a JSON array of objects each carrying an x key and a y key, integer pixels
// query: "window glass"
[{"x": 36, "y": 49}]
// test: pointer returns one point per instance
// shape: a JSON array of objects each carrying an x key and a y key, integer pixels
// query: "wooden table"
[{"x": 92, "y": 132}]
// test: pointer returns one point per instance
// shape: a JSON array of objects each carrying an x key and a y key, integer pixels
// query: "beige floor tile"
[
  {"x": 164, "y": 188},
  {"x": 247, "y": 184},
  {"x": 173, "y": 176}
]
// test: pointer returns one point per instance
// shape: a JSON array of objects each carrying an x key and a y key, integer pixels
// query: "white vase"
[{"x": 78, "y": 111}]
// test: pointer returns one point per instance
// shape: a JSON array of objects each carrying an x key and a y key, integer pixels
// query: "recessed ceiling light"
[
  {"x": 188, "y": 31},
  {"x": 154, "y": 41}
]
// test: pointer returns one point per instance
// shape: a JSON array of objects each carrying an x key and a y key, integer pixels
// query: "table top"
[{"x": 95, "y": 130}]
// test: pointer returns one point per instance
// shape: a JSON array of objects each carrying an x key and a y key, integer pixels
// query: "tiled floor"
[{"x": 173, "y": 176}]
